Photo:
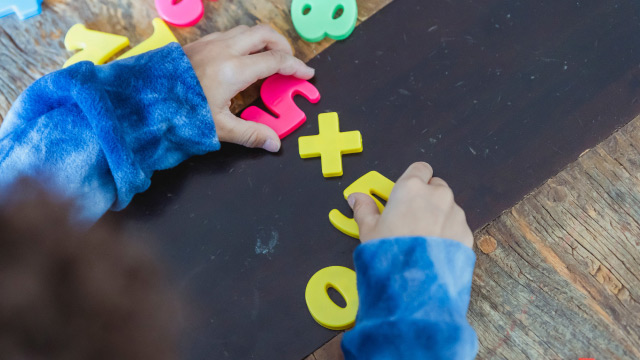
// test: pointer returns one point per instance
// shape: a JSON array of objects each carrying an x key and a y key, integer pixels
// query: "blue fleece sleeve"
[
  {"x": 97, "y": 133},
  {"x": 414, "y": 294}
]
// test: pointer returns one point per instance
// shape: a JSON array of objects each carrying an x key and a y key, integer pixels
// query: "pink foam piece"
[
  {"x": 185, "y": 13},
  {"x": 277, "y": 93}
]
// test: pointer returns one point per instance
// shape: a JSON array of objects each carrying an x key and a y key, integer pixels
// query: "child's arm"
[
  {"x": 97, "y": 133},
  {"x": 413, "y": 285}
]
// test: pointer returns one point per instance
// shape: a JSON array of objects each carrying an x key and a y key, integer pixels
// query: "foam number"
[
  {"x": 277, "y": 93},
  {"x": 94, "y": 46},
  {"x": 161, "y": 36},
  {"x": 371, "y": 183},
  {"x": 320, "y": 305},
  {"x": 23, "y": 8},
  {"x": 316, "y": 19},
  {"x": 183, "y": 13}
]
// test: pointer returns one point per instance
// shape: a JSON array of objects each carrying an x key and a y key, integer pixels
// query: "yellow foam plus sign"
[{"x": 330, "y": 144}]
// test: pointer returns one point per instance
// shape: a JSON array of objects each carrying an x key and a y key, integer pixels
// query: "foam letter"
[
  {"x": 277, "y": 93},
  {"x": 320, "y": 305},
  {"x": 162, "y": 36},
  {"x": 23, "y": 8},
  {"x": 185, "y": 13},
  {"x": 94, "y": 46},
  {"x": 371, "y": 183}
]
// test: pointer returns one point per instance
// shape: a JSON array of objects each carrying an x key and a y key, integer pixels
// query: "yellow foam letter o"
[{"x": 320, "y": 305}]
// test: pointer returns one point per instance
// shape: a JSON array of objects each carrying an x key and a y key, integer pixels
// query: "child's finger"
[
  {"x": 436, "y": 181},
  {"x": 365, "y": 211},
  {"x": 227, "y": 34},
  {"x": 420, "y": 170},
  {"x": 265, "y": 64},
  {"x": 240, "y": 29},
  {"x": 258, "y": 38},
  {"x": 247, "y": 133}
]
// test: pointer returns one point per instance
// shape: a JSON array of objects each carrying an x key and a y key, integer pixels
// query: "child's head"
[{"x": 69, "y": 294}]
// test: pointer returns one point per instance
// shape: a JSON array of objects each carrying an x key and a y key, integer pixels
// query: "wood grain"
[
  {"x": 558, "y": 275},
  {"x": 563, "y": 278},
  {"x": 329, "y": 351},
  {"x": 32, "y": 48}
]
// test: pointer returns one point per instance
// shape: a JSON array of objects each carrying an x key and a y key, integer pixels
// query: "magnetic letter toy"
[
  {"x": 371, "y": 183},
  {"x": 277, "y": 93},
  {"x": 316, "y": 19},
  {"x": 320, "y": 305}
]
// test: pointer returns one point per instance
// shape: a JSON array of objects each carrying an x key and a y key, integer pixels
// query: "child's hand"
[
  {"x": 419, "y": 205},
  {"x": 228, "y": 62}
]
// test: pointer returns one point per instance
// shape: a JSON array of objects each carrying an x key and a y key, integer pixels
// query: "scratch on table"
[{"x": 268, "y": 248}]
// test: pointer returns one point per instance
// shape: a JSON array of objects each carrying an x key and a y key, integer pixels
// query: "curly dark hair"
[{"x": 77, "y": 294}]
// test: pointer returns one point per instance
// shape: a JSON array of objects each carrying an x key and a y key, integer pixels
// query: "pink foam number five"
[
  {"x": 277, "y": 93},
  {"x": 184, "y": 13}
]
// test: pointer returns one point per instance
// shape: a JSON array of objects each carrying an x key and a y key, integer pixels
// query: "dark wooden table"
[{"x": 498, "y": 96}]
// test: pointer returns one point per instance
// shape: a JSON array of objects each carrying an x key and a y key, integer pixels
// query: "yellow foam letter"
[
  {"x": 94, "y": 46},
  {"x": 162, "y": 36},
  {"x": 371, "y": 183},
  {"x": 320, "y": 305}
]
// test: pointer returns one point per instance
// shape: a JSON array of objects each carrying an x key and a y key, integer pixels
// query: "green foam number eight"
[{"x": 316, "y": 19}]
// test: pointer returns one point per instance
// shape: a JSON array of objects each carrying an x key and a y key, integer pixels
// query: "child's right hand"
[
  {"x": 419, "y": 205},
  {"x": 228, "y": 62}
]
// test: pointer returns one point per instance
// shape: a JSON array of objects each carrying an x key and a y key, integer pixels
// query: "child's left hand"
[{"x": 228, "y": 62}]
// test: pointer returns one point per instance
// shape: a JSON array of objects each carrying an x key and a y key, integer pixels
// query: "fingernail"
[
  {"x": 271, "y": 146},
  {"x": 312, "y": 71},
  {"x": 351, "y": 200}
]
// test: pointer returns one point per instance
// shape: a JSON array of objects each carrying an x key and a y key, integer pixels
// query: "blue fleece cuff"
[
  {"x": 97, "y": 133},
  {"x": 414, "y": 295}
]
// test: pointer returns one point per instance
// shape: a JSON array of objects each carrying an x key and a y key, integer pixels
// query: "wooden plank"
[
  {"x": 558, "y": 275},
  {"x": 330, "y": 350},
  {"x": 32, "y": 48}
]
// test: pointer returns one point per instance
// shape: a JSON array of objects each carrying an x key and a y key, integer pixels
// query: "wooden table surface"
[
  {"x": 557, "y": 275},
  {"x": 32, "y": 48}
]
